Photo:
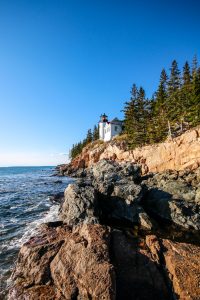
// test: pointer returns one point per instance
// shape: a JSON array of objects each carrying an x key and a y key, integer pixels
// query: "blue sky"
[{"x": 63, "y": 63}]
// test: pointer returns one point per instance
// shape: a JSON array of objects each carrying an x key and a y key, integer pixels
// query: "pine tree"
[
  {"x": 95, "y": 133},
  {"x": 141, "y": 117},
  {"x": 136, "y": 117},
  {"x": 194, "y": 65},
  {"x": 195, "y": 102},
  {"x": 160, "y": 109},
  {"x": 175, "y": 105},
  {"x": 130, "y": 116},
  {"x": 174, "y": 82},
  {"x": 89, "y": 136},
  {"x": 186, "y": 74},
  {"x": 151, "y": 124},
  {"x": 185, "y": 95},
  {"x": 161, "y": 94}
]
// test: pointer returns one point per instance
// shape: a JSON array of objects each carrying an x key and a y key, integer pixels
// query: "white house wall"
[
  {"x": 111, "y": 130},
  {"x": 108, "y": 130},
  {"x": 107, "y": 133},
  {"x": 101, "y": 130}
]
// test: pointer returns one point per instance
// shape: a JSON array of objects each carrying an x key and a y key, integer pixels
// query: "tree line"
[
  {"x": 91, "y": 136},
  {"x": 174, "y": 107}
]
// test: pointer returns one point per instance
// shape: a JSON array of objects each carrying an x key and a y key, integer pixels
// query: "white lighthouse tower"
[{"x": 102, "y": 123}]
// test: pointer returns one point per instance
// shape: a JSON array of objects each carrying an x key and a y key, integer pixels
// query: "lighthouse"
[
  {"x": 107, "y": 130},
  {"x": 102, "y": 123}
]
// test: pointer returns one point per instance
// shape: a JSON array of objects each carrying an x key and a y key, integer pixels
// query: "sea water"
[{"x": 24, "y": 205}]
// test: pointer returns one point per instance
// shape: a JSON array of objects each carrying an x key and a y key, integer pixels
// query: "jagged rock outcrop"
[
  {"x": 120, "y": 236},
  {"x": 80, "y": 205},
  {"x": 173, "y": 196},
  {"x": 72, "y": 264},
  {"x": 109, "y": 194},
  {"x": 178, "y": 154}
]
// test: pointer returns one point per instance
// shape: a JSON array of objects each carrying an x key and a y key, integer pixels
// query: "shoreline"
[
  {"x": 25, "y": 204},
  {"x": 110, "y": 217}
]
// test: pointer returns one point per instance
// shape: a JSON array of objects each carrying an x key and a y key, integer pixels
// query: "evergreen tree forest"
[{"x": 174, "y": 108}]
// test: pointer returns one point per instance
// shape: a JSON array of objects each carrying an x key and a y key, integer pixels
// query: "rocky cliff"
[
  {"x": 177, "y": 154},
  {"x": 120, "y": 236}
]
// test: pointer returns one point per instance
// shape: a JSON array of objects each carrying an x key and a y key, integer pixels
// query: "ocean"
[{"x": 24, "y": 205}]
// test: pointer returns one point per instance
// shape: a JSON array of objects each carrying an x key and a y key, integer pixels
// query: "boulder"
[
  {"x": 161, "y": 205},
  {"x": 58, "y": 181},
  {"x": 128, "y": 191},
  {"x": 97, "y": 262},
  {"x": 145, "y": 222},
  {"x": 171, "y": 198},
  {"x": 82, "y": 267},
  {"x": 80, "y": 205},
  {"x": 110, "y": 170},
  {"x": 181, "y": 186}
]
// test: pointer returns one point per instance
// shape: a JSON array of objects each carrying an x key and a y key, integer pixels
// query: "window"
[{"x": 116, "y": 128}]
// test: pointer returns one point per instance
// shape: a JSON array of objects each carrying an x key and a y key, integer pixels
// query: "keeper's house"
[{"x": 107, "y": 130}]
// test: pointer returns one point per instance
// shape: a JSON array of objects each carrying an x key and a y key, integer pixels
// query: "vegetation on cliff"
[{"x": 174, "y": 108}]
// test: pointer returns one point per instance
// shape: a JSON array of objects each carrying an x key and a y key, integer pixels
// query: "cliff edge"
[{"x": 177, "y": 154}]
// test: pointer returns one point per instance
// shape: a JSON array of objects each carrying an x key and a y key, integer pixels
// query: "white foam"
[
  {"x": 33, "y": 228},
  {"x": 33, "y": 207}
]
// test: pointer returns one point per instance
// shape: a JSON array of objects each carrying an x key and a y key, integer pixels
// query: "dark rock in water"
[
  {"x": 58, "y": 181},
  {"x": 52, "y": 224},
  {"x": 58, "y": 198}
]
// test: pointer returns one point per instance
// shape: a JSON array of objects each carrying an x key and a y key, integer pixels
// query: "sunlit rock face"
[{"x": 178, "y": 154}]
